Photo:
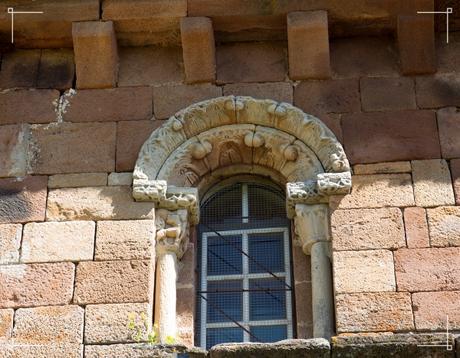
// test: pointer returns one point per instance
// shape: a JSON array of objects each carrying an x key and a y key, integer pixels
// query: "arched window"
[{"x": 244, "y": 290}]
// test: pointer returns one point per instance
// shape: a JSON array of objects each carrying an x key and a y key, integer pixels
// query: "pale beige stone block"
[
  {"x": 66, "y": 350},
  {"x": 10, "y": 240},
  {"x": 363, "y": 271},
  {"x": 6, "y": 324},
  {"x": 77, "y": 180},
  {"x": 444, "y": 225},
  {"x": 58, "y": 241},
  {"x": 382, "y": 168},
  {"x": 120, "y": 178},
  {"x": 133, "y": 350}
]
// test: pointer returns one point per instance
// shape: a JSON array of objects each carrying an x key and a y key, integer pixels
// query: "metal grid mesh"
[{"x": 244, "y": 291}]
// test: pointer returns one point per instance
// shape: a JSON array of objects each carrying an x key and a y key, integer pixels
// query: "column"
[{"x": 312, "y": 231}]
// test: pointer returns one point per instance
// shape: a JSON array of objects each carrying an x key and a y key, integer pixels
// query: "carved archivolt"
[{"x": 235, "y": 132}]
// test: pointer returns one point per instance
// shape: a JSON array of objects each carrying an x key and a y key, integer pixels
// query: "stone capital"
[
  {"x": 172, "y": 233},
  {"x": 311, "y": 225}
]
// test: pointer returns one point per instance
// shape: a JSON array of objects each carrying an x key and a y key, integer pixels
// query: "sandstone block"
[
  {"x": 28, "y": 106},
  {"x": 133, "y": 350},
  {"x": 10, "y": 241},
  {"x": 432, "y": 269},
  {"x": 41, "y": 350},
  {"x": 441, "y": 90},
  {"x": 113, "y": 104},
  {"x": 20, "y": 68},
  {"x": 58, "y": 241},
  {"x": 449, "y": 132},
  {"x": 416, "y": 44},
  {"x": 336, "y": 96},
  {"x": 36, "y": 284},
  {"x": 130, "y": 137},
  {"x": 387, "y": 93},
  {"x": 23, "y": 200},
  {"x": 416, "y": 228},
  {"x": 114, "y": 282},
  {"x": 278, "y": 91},
  {"x": 432, "y": 183},
  {"x": 6, "y": 323},
  {"x": 72, "y": 147},
  {"x": 186, "y": 270},
  {"x": 363, "y": 271},
  {"x": 49, "y": 325},
  {"x": 96, "y": 203},
  {"x": 334, "y": 122},
  {"x": 199, "y": 50},
  {"x": 120, "y": 178},
  {"x": 308, "y": 45},
  {"x": 361, "y": 229},
  {"x": 444, "y": 224},
  {"x": 374, "y": 312},
  {"x": 125, "y": 240},
  {"x": 125, "y": 9},
  {"x": 108, "y": 323},
  {"x": 77, "y": 180},
  {"x": 390, "y": 136},
  {"x": 57, "y": 69},
  {"x": 185, "y": 315},
  {"x": 251, "y": 62},
  {"x": 379, "y": 190},
  {"x": 13, "y": 150},
  {"x": 432, "y": 308},
  {"x": 167, "y": 100},
  {"x": 382, "y": 168},
  {"x": 455, "y": 170}
]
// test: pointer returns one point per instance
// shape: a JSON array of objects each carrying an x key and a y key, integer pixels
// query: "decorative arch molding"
[{"x": 240, "y": 131}]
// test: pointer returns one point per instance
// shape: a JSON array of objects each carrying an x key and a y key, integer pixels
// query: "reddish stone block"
[
  {"x": 278, "y": 91},
  {"x": 334, "y": 122},
  {"x": 199, "y": 49},
  {"x": 416, "y": 44},
  {"x": 385, "y": 94},
  {"x": 455, "y": 171},
  {"x": 449, "y": 132},
  {"x": 390, "y": 136},
  {"x": 126, "y": 9},
  {"x": 442, "y": 90},
  {"x": 432, "y": 269},
  {"x": 20, "y": 68},
  {"x": 95, "y": 39},
  {"x": 10, "y": 241},
  {"x": 72, "y": 147},
  {"x": 6, "y": 323},
  {"x": 308, "y": 45},
  {"x": 431, "y": 310},
  {"x": 251, "y": 62},
  {"x": 28, "y": 106},
  {"x": 57, "y": 69},
  {"x": 114, "y": 104},
  {"x": 416, "y": 228},
  {"x": 13, "y": 150},
  {"x": 36, "y": 284},
  {"x": 336, "y": 96},
  {"x": 23, "y": 200},
  {"x": 131, "y": 135}
]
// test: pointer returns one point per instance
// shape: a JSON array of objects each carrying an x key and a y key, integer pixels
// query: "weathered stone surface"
[
  {"x": 28, "y": 106},
  {"x": 278, "y": 91},
  {"x": 95, "y": 39},
  {"x": 57, "y": 69},
  {"x": 444, "y": 224},
  {"x": 113, "y": 282},
  {"x": 58, "y": 241},
  {"x": 431, "y": 310},
  {"x": 361, "y": 229},
  {"x": 125, "y": 240},
  {"x": 114, "y": 104},
  {"x": 10, "y": 240},
  {"x": 308, "y": 45},
  {"x": 168, "y": 100},
  {"x": 363, "y": 271},
  {"x": 432, "y": 183},
  {"x": 72, "y": 147},
  {"x": 455, "y": 171},
  {"x": 108, "y": 323},
  {"x": 387, "y": 93},
  {"x": 432, "y": 269},
  {"x": 382, "y": 168},
  {"x": 390, "y": 136},
  {"x": 12, "y": 350},
  {"x": 96, "y": 203},
  {"x": 416, "y": 228},
  {"x": 441, "y": 90},
  {"x": 150, "y": 65},
  {"x": 379, "y": 190},
  {"x": 77, "y": 180},
  {"x": 336, "y": 96},
  {"x": 130, "y": 137},
  {"x": 449, "y": 132},
  {"x": 6, "y": 323},
  {"x": 120, "y": 179},
  {"x": 295, "y": 348},
  {"x": 251, "y": 62},
  {"x": 374, "y": 312},
  {"x": 13, "y": 150},
  {"x": 20, "y": 69},
  {"x": 136, "y": 350},
  {"x": 49, "y": 325},
  {"x": 36, "y": 284},
  {"x": 23, "y": 200}
]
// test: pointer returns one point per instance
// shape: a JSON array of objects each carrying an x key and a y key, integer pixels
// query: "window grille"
[{"x": 244, "y": 290}]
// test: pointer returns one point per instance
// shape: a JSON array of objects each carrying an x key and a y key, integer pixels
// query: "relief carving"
[
  {"x": 334, "y": 183},
  {"x": 172, "y": 232},
  {"x": 311, "y": 225}
]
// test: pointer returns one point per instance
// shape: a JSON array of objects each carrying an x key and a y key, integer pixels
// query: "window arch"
[{"x": 244, "y": 290}]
